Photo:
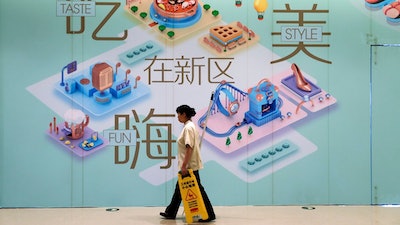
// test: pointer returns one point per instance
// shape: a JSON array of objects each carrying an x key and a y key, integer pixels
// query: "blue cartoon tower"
[{"x": 264, "y": 103}]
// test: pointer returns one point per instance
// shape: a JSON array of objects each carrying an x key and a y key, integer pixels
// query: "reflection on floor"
[{"x": 232, "y": 215}]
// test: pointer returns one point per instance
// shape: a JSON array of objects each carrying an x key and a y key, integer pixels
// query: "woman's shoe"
[
  {"x": 167, "y": 216},
  {"x": 301, "y": 82}
]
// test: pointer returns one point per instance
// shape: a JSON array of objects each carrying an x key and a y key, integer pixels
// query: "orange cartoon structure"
[{"x": 227, "y": 35}]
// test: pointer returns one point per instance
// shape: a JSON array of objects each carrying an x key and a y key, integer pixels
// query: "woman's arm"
[{"x": 188, "y": 155}]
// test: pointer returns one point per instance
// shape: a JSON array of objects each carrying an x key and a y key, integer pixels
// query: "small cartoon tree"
[
  {"x": 162, "y": 28},
  {"x": 143, "y": 15},
  {"x": 215, "y": 13},
  {"x": 239, "y": 136},
  {"x": 171, "y": 34},
  {"x": 228, "y": 141},
  {"x": 134, "y": 9},
  {"x": 250, "y": 130},
  {"x": 206, "y": 7}
]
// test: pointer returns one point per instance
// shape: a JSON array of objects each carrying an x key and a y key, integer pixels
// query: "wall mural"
[{"x": 108, "y": 116}]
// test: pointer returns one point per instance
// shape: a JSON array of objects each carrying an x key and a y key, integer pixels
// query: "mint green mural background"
[{"x": 34, "y": 172}]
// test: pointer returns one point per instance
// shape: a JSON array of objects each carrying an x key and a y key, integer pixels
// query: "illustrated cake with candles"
[{"x": 175, "y": 13}]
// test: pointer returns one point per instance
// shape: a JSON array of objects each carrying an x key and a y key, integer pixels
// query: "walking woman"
[{"x": 188, "y": 158}]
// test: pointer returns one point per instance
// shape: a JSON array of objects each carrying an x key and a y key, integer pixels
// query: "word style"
[{"x": 299, "y": 33}]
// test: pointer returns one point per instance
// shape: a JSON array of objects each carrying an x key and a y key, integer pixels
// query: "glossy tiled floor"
[{"x": 235, "y": 215}]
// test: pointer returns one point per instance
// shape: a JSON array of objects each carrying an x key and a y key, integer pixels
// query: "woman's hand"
[{"x": 184, "y": 171}]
